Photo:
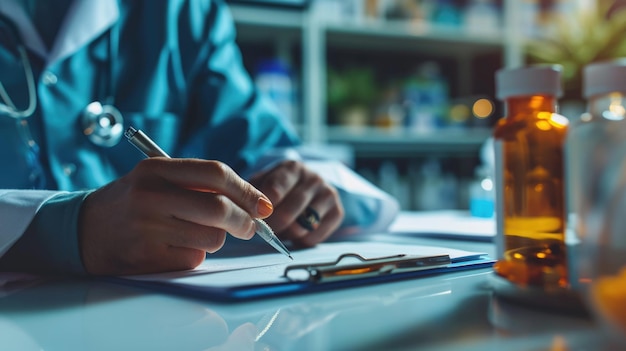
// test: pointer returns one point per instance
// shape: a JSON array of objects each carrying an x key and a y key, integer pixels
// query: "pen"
[{"x": 149, "y": 148}]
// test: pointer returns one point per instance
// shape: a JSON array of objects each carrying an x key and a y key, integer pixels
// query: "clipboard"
[
  {"x": 268, "y": 275},
  {"x": 365, "y": 267}
]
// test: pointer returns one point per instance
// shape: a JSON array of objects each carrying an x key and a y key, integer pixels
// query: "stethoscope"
[{"x": 101, "y": 122}]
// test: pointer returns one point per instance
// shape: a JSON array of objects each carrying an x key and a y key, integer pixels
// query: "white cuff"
[{"x": 17, "y": 209}]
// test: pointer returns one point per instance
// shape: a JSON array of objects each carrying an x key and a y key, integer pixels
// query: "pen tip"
[{"x": 291, "y": 257}]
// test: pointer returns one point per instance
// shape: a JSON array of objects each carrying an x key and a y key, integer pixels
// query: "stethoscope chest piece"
[{"x": 102, "y": 124}]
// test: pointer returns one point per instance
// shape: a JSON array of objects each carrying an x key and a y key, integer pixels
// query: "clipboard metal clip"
[{"x": 334, "y": 271}]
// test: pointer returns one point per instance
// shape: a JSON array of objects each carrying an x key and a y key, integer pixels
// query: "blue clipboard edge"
[{"x": 256, "y": 292}]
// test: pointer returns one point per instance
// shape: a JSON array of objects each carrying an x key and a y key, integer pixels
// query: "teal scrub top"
[
  {"x": 173, "y": 69},
  {"x": 176, "y": 73}
]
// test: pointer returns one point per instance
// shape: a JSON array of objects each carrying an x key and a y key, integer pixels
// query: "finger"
[
  {"x": 331, "y": 213},
  {"x": 209, "y": 176},
  {"x": 166, "y": 259},
  {"x": 280, "y": 181},
  {"x": 164, "y": 244},
  {"x": 328, "y": 225},
  {"x": 203, "y": 209},
  {"x": 175, "y": 259},
  {"x": 172, "y": 245},
  {"x": 149, "y": 255},
  {"x": 162, "y": 259},
  {"x": 295, "y": 202},
  {"x": 191, "y": 235}
]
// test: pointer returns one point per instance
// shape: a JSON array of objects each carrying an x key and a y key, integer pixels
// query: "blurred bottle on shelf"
[
  {"x": 447, "y": 13},
  {"x": 481, "y": 17},
  {"x": 410, "y": 10},
  {"x": 540, "y": 18},
  {"x": 436, "y": 190},
  {"x": 528, "y": 18},
  {"x": 353, "y": 10},
  {"x": 273, "y": 78},
  {"x": 425, "y": 98},
  {"x": 378, "y": 9},
  {"x": 394, "y": 183},
  {"x": 481, "y": 193},
  {"x": 351, "y": 94},
  {"x": 333, "y": 11},
  {"x": 389, "y": 113},
  {"x": 556, "y": 12},
  {"x": 458, "y": 116}
]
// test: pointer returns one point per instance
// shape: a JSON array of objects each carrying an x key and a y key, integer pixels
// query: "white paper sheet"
[{"x": 449, "y": 223}]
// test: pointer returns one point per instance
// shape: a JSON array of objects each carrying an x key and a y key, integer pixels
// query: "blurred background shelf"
[
  {"x": 318, "y": 47},
  {"x": 402, "y": 143},
  {"x": 407, "y": 37},
  {"x": 268, "y": 24},
  {"x": 311, "y": 41},
  {"x": 256, "y": 22},
  {"x": 331, "y": 41}
]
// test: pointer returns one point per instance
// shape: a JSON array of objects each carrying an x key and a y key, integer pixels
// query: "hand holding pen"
[
  {"x": 149, "y": 148},
  {"x": 165, "y": 215}
]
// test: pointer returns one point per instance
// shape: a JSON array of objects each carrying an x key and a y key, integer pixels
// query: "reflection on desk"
[{"x": 446, "y": 312}]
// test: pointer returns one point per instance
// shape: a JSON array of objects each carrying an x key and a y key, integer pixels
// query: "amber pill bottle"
[{"x": 530, "y": 199}]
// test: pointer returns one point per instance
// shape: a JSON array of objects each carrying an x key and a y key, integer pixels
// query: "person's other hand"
[
  {"x": 165, "y": 215},
  {"x": 293, "y": 188}
]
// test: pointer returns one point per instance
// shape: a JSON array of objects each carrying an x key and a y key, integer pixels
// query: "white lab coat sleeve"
[
  {"x": 367, "y": 208},
  {"x": 17, "y": 209}
]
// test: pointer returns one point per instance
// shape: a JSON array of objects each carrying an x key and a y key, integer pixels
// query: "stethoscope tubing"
[
  {"x": 101, "y": 123},
  {"x": 8, "y": 106}
]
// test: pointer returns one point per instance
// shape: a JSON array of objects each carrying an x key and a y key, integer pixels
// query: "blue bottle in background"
[{"x": 274, "y": 79}]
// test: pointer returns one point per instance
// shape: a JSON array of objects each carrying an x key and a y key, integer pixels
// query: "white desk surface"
[{"x": 447, "y": 312}]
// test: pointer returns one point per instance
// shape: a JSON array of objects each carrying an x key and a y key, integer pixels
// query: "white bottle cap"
[
  {"x": 604, "y": 77},
  {"x": 531, "y": 80}
]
